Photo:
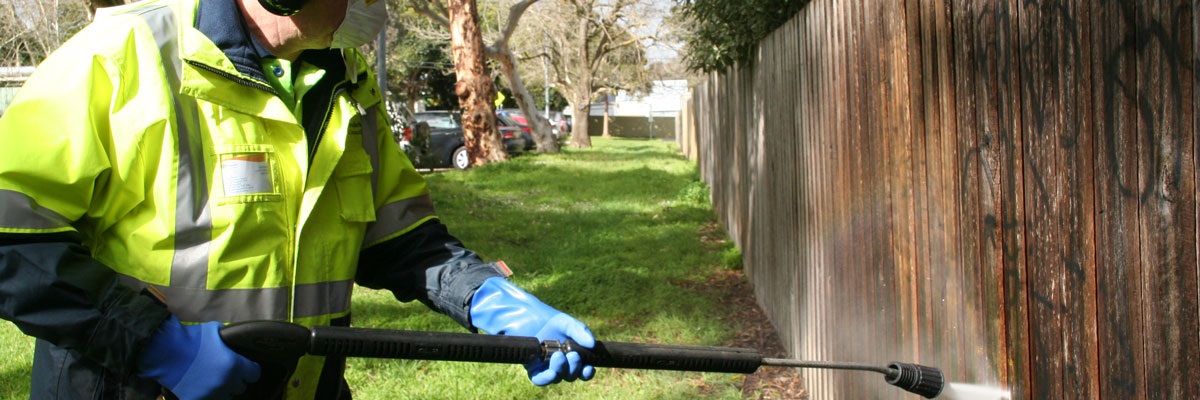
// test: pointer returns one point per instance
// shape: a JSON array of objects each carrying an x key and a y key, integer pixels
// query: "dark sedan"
[
  {"x": 446, "y": 145},
  {"x": 510, "y": 126}
]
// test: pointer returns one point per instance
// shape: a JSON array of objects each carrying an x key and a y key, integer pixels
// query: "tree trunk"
[
  {"x": 474, "y": 87},
  {"x": 541, "y": 128},
  {"x": 581, "y": 108},
  {"x": 607, "y": 105},
  {"x": 582, "y": 93}
]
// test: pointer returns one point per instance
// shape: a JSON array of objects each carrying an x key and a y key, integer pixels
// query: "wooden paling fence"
[{"x": 1002, "y": 189}]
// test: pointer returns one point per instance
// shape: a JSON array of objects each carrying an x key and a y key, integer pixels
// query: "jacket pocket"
[{"x": 352, "y": 180}]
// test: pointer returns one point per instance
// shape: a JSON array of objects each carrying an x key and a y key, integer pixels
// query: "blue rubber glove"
[
  {"x": 501, "y": 308},
  {"x": 193, "y": 363}
]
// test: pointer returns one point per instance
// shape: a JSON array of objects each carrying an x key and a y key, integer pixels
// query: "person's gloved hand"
[
  {"x": 501, "y": 308},
  {"x": 193, "y": 363}
]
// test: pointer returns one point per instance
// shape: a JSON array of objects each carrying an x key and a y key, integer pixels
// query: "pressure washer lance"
[{"x": 276, "y": 346}]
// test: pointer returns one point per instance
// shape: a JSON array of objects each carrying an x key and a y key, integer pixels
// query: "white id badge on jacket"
[{"x": 246, "y": 174}]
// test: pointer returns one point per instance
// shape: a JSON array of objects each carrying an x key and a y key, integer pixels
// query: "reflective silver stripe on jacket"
[
  {"x": 398, "y": 216},
  {"x": 229, "y": 305},
  {"x": 193, "y": 221},
  {"x": 370, "y": 138},
  {"x": 19, "y": 211}
]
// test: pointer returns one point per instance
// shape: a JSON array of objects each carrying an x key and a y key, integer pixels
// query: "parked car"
[
  {"x": 410, "y": 134},
  {"x": 509, "y": 126},
  {"x": 558, "y": 127},
  {"x": 515, "y": 114},
  {"x": 446, "y": 145},
  {"x": 561, "y": 126}
]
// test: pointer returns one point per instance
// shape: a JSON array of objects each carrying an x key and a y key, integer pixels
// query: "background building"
[
  {"x": 633, "y": 116},
  {"x": 11, "y": 79}
]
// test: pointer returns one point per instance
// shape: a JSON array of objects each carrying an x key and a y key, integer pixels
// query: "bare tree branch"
[
  {"x": 514, "y": 16},
  {"x": 33, "y": 29},
  {"x": 581, "y": 39},
  {"x": 432, "y": 9}
]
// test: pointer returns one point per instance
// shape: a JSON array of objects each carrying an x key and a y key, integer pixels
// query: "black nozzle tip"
[{"x": 916, "y": 378}]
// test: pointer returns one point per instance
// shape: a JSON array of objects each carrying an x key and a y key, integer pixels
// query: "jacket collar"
[{"x": 222, "y": 22}]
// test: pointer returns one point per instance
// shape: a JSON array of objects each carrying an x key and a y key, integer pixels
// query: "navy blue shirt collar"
[{"x": 222, "y": 22}]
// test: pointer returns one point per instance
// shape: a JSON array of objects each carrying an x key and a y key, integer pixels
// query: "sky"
[{"x": 660, "y": 52}]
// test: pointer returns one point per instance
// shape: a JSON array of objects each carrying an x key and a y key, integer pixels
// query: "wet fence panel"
[{"x": 1005, "y": 190}]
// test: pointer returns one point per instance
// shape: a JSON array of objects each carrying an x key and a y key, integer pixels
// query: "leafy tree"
[
  {"x": 722, "y": 33},
  {"x": 438, "y": 91},
  {"x": 418, "y": 65}
]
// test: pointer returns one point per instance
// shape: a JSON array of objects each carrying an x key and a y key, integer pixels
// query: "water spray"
[{"x": 277, "y": 346}]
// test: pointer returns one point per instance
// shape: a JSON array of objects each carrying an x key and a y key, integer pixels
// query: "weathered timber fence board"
[
  {"x": 1006, "y": 190},
  {"x": 1119, "y": 295},
  {"x": 1167, "y": 206}
]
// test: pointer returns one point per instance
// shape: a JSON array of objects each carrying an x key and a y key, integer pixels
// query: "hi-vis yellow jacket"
[{"x": 141, "y": 155}]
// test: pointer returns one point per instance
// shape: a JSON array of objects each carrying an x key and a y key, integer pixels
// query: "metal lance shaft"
[{"x": 923, "y": 380}]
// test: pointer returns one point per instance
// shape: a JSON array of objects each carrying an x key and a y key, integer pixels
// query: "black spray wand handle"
[
  {"x": 278, "y": 346},
  {"x": 446, "y": 346},
  {"x": 276, "y": 343}
]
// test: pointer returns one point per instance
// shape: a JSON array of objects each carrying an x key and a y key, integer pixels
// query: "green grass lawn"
[{"x": 610, "y": 235}]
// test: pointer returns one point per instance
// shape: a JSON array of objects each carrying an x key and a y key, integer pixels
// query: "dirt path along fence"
[{"x": 1003, "y": 189}]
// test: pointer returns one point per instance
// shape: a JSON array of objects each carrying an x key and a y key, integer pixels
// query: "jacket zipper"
[
  {"x": 337, "y": 91},
  {"x": 312, "y": 147},
  {"x": 235, "y": 78}
]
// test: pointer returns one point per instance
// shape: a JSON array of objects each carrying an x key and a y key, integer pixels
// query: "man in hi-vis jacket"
[{"x": 180, "y": 164}]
